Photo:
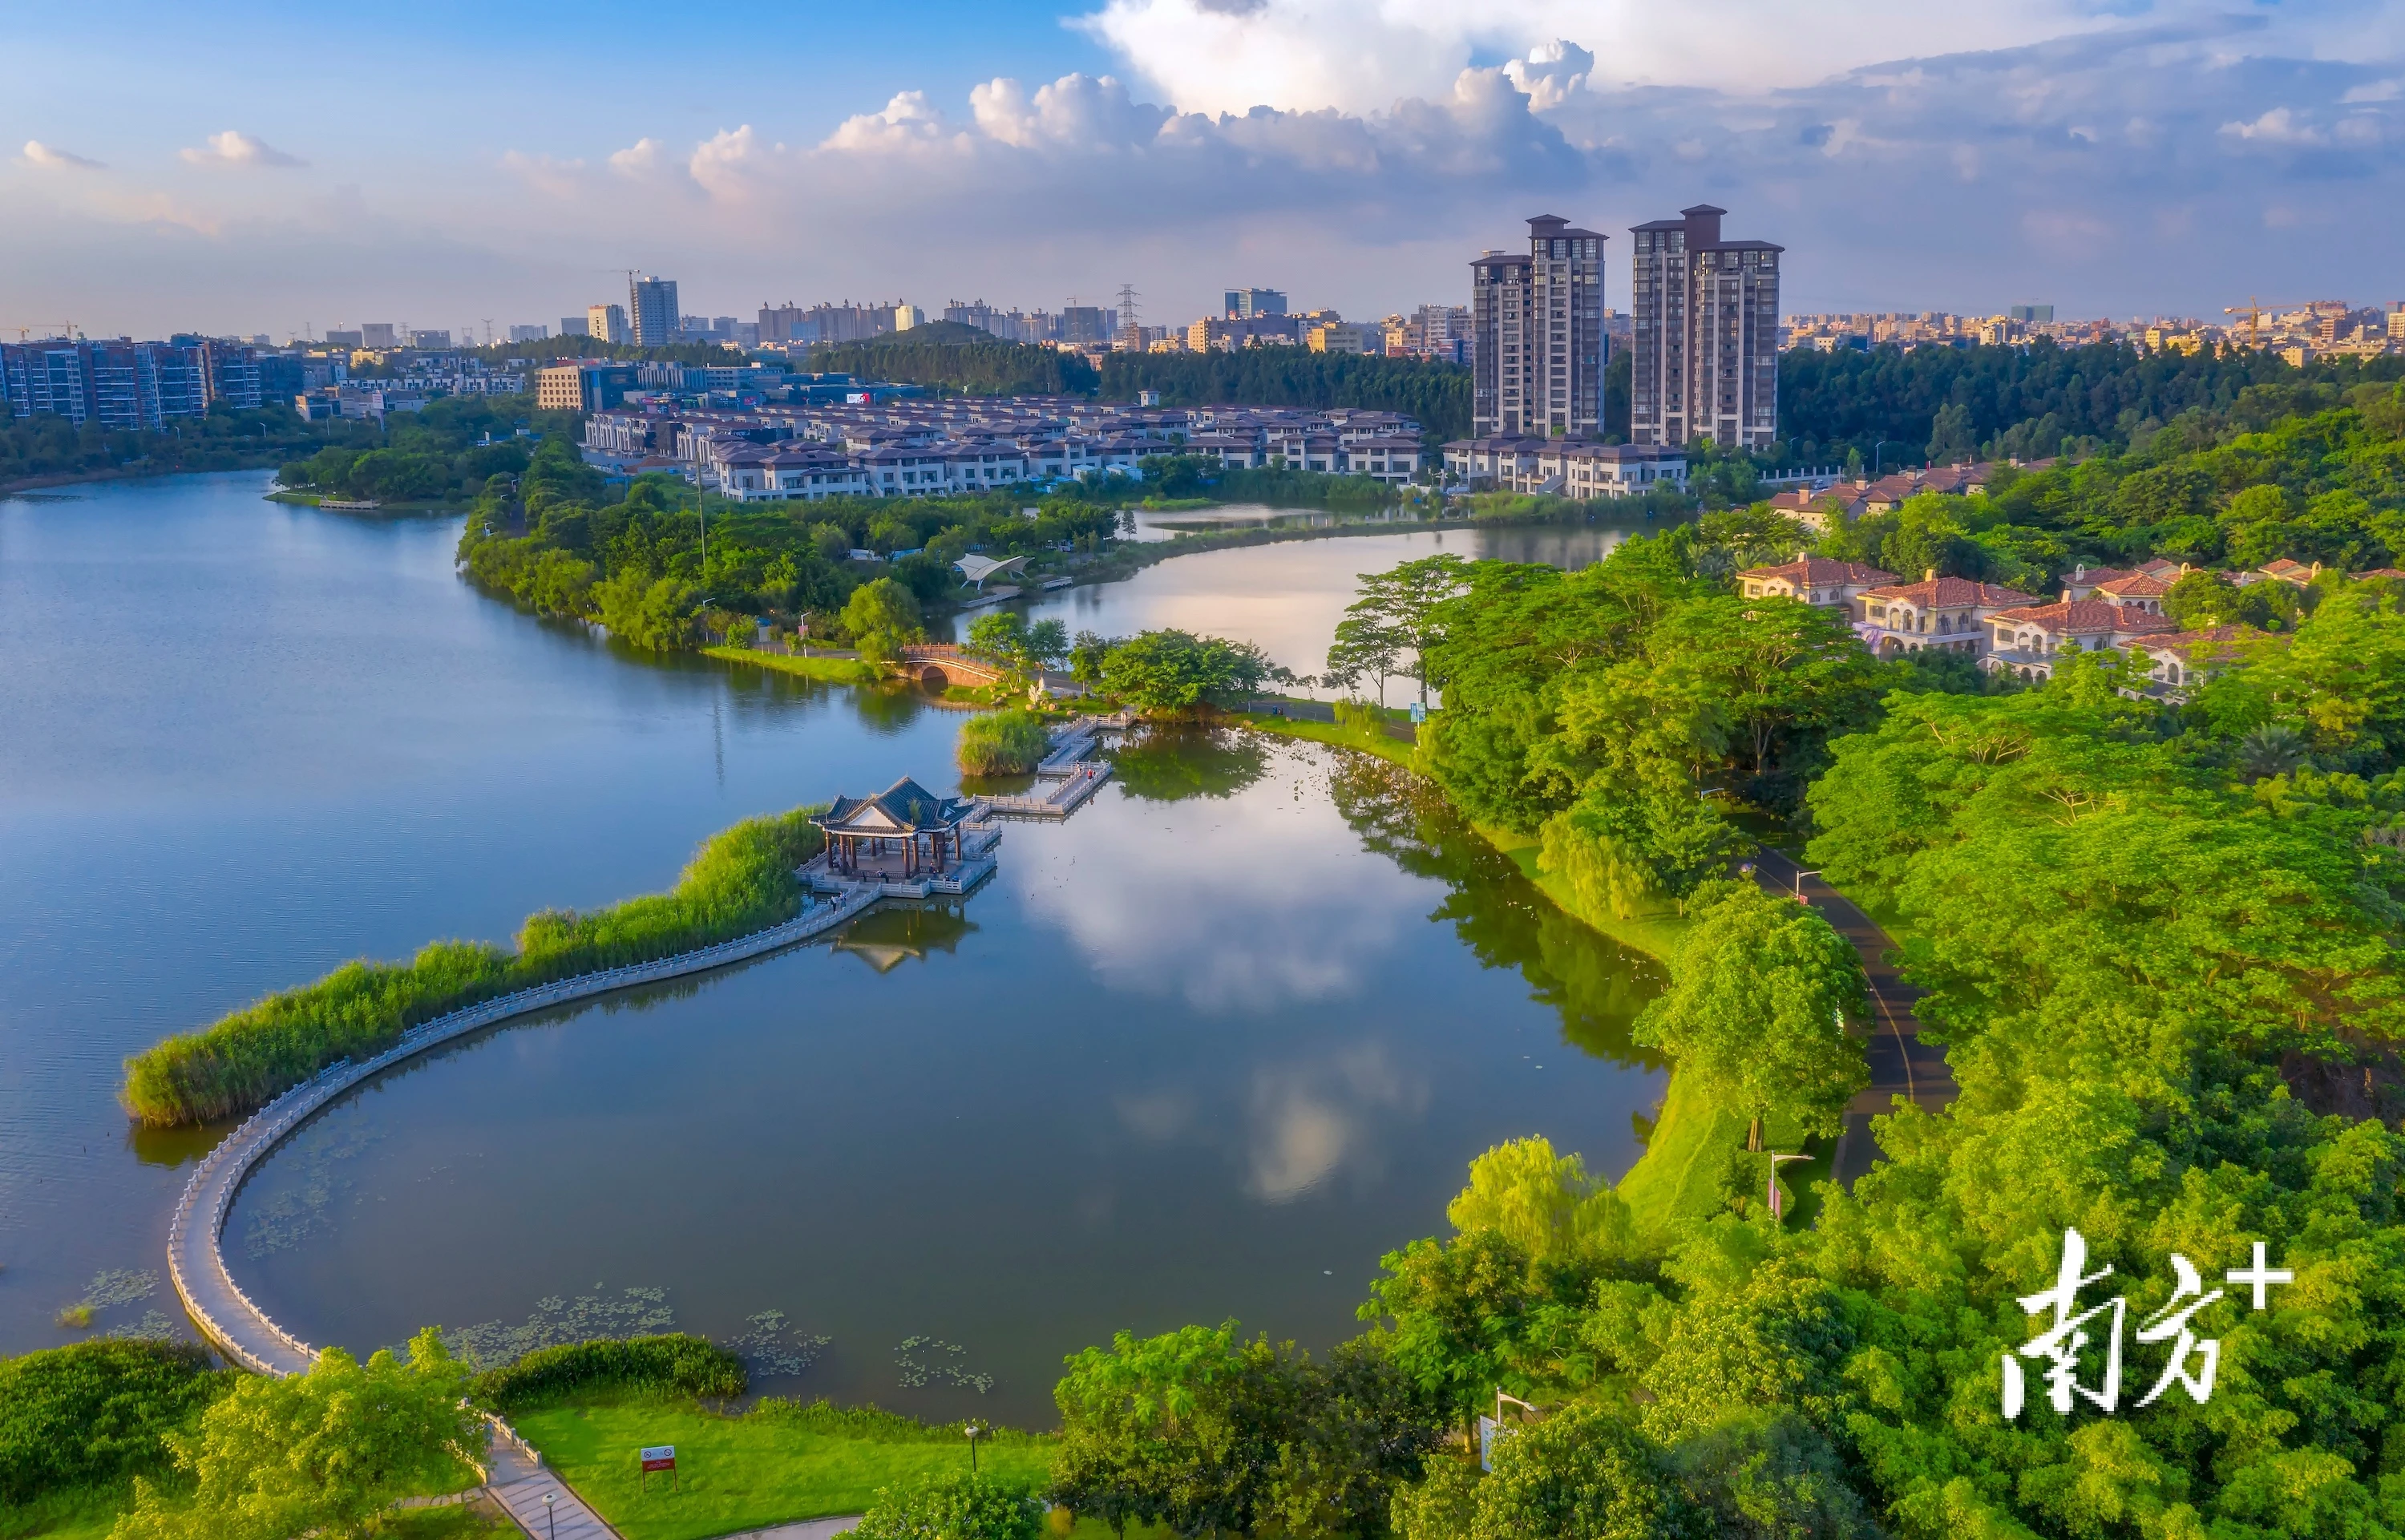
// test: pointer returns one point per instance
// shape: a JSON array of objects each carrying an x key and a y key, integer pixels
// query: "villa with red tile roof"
[
  {"x": 1950, "y": 613},
  {"x": 1816, "y": 580},
  {"x": 2185, "y": 659},
  {"x": 2027, "y": 641}
]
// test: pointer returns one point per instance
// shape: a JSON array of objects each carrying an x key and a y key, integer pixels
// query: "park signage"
[{"x": 657, "y": 1457}]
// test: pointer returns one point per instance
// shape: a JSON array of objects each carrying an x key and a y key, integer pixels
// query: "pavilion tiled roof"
[{"x": 901, "y": 808}]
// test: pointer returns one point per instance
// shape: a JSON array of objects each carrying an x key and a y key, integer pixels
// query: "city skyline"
[{"x": 2165, "y": 157}]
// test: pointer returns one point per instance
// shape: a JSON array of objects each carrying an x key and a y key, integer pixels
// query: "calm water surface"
[
  {"x": 1288, "y": 597},
  {"x": 1205, "y": 1049}
]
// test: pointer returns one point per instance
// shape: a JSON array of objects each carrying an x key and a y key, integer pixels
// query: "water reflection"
[
  {"x": 1169, "y": 762},
  {"x": 1265, "y": 906},
  {"x": 887, "y": 938},
  {"x": 1308, "y": 1120},
  {"x": 1597, "y": 984}
]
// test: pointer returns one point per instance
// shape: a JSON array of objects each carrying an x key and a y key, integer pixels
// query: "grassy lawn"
[
  {"x": 66, "y": 1516},
  {"x": 1679, "y": 1178},
  {"x": 741, "y": 1472},
  {"x": 834, "y": 670}
]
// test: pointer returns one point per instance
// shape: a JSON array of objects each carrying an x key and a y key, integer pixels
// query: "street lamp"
[
  {"x": 551, "y": 1523},
  {"x": 975, "y": 1431},
  {"x": 1879, "y": 448},
  {"x": 1800, "y": 875}
]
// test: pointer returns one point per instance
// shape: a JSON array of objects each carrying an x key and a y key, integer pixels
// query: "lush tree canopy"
[{"x": 328, "y": 1450}]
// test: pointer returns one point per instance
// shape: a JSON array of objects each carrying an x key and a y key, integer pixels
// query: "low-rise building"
[
  {"x": 2028, "y": 641},
  {"x": 2182, "y": 660},
  {"x": 1577, "y": 468},
  {"x": 583, "y": 385},
  {"x": 1945, "y": 614},
  {"x": 1818, "y": 581}
]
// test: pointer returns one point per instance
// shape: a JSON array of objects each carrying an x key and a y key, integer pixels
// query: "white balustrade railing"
[{"x": 210, "y": 1189}]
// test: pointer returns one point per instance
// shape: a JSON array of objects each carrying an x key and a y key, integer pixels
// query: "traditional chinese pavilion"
[{"x": 904, "y": 831}]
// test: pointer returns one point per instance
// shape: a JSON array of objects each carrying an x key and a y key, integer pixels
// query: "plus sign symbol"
[{"x": 2260, "y": 1276}]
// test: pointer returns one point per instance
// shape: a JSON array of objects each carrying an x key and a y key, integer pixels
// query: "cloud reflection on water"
[
  {"x": 1309, "y": 1120},
  {"x": 1180, "y": 899}
]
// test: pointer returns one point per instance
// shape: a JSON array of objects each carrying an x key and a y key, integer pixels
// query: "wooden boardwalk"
[{"x": 228, "y": 1317}]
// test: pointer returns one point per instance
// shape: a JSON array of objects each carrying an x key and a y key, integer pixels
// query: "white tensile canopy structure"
[{"x": 976, "y": 569}]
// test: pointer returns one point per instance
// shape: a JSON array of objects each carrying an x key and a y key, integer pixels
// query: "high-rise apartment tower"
[
  {"x": 1706, "y": 356},
  {"x": 1536, "y": 324},
  {"x": 652, "y": 307}
]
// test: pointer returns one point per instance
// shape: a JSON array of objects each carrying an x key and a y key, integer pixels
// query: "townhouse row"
[
  {"x": 2008, "y": 631},
  {"x": 918, "y": 448}
]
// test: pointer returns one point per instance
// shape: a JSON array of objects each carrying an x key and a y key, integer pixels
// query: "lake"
[
  {"x": 1288, "y": 597},
  {"x": 1205, "y": 1050}
]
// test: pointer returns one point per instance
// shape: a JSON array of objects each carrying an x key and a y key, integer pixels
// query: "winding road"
[{"x": 1902, "y": 1064}]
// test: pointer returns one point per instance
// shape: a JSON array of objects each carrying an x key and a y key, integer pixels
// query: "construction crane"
[
  {"x": 2253, "y": 310},
  {"x": 57, "y": 329}
]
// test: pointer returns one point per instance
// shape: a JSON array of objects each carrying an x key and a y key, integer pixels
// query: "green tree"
[
  {"x": 958, "y": 1506},
  {"x": 882, "y": 617},
  {"x": 1582, "y": 1474},
  {"x": 1086, "y": 656},
  {"x": 1542, "y": 1203},
  {"x": 1460, "y": 1314},
  {"x": 328, "y": 1451},
  {"x": 1170, "y": 672},
  {"x": 1363, "y": 645},
  {"x": 1761, "y": 992},
  {"x": 1406, "y": 602},
  {"x": 1206, "y": 1433},
  {"x": 93, "y": 1414}
]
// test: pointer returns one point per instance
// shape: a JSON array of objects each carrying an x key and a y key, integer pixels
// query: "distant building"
[
  {"x": 907, "y": 315},
  {"x": 1538, "y": 346},
  {"x": 346, "y": 339},
  {"x": 429, "y": 339},
  {"x": 120, "y": 384},
  {"x": 2030, "y": 314},
  {"x": 379, "y": 334},
  {"x": 651, "y": 307},
  {"x": 1705, "y": 364},
  {"x": 529, "y": 333},
  {"x": 1244, "y": 304},
  {"x": 606, "y": 323},
  {"x": 1344, "y": 337},
  {"x": 1085, "y": 325},
  {"x": 583, "y": 385},
  {"x": 575, "y": 326}
]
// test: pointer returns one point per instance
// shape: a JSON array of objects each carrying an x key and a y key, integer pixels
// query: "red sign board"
[{"x": 660, "y": 1457}]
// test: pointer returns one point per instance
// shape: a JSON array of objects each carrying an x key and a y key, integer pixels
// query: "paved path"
[
  {"x": 520, "y": 1482},
  {"x": 809, "y": 1528},
  {"x": 1902, "y": 1065},
  {"x": 195, "y": 1231}
]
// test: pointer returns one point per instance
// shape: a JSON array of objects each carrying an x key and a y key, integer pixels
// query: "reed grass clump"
[
  {"x": 740, "y": 879},
  {"x": 674, "y": 1364},
  {"x": 1011, "y": 741}
]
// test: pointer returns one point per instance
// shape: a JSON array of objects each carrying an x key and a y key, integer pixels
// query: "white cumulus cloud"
[
  {"x": 51, "y": 158},
  {"x": 235, "y": 148}
]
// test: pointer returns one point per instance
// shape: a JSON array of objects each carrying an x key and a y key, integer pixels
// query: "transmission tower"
[{"x": 1129, "y": 317}]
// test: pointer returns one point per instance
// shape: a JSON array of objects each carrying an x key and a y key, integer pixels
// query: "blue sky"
[{"x": 251, "y": 167}]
